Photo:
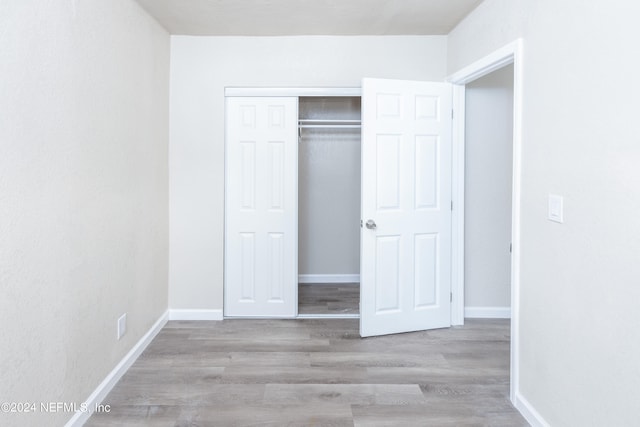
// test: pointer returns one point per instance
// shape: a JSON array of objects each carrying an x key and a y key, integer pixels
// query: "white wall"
[
  {"x": 580, "y": 281},
  {"x": 201, "y": 67},
  {"x": 83, "y": 194},
  {"x": 329, "y": 190},
  {"x": 487, "y": 209}
]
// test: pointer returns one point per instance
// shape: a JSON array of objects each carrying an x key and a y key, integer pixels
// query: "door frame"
[{"x": 509, "y": 54}]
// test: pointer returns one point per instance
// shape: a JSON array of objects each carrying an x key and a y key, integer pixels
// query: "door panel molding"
[{"x": 261, "y": 200}]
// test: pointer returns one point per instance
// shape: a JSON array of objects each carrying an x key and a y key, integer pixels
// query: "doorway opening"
[
  {"x": 488, "y": 176},
  {"x": 505, "y": 56},
  {"x": 329, "y": 184}
]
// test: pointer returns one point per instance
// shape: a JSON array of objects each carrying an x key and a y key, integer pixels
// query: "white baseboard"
[
  {"x": 487, "y": 312},
  {"x": 328, "y": 316},
  {"x": 195, "y": 314},
  {"x": 328, "y": 278},
  {"x": 98, "y": 395},
  {"x": 529, "y": 413}
]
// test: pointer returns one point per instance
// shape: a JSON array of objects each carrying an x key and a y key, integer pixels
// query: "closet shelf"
[
  {"x": 329, "y": 121},
  {"x": 328, "y": 124}
]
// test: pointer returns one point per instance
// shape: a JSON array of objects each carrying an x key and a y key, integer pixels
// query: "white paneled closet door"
[
  {"x": 406, "y": 206},
  {"x": 261, "y": 235}
]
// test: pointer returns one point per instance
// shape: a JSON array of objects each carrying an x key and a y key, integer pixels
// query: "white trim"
[
  {"x": 328, "y": 278},
  {"x": 487, "y": 312},
  {"x": 529, "y": 413},
  {"x": 292, "y": 91},
  {"x": 98, "y": 395},
  {"x": 511, "y": 53},
  {"x": 328, "y": 316},
  {"x": 176, "y": 314},
  {"x": 457, "y": 197},
  {"x": 490, "y": 63},
  {"x": 518, "y": 72},
  {"x": 274, "y": 317}
]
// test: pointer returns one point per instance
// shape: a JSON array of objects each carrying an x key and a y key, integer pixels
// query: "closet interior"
[{"x": 329, "y": 205}]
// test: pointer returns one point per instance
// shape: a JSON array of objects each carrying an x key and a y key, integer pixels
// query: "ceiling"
[{"x": 308, "y": 17}]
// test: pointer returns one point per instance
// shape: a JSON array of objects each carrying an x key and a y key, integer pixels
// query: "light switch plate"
[
  {"x": 122, "y": 325},
  {"x": 555, "y": 208}
]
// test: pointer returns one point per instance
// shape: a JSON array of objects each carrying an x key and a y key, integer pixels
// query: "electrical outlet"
[{"x": 122, "y": 325}]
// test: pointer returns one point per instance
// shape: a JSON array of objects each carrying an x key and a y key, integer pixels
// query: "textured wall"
[
  {"x": 580, "y": 281},
  {"x": 83, "y": 194},
  {"x": 201, "y": 67}
]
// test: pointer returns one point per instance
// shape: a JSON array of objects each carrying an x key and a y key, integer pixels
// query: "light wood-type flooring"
[
  {"x": 338, "y": 298},
  {"x": 316, "y": 372}
]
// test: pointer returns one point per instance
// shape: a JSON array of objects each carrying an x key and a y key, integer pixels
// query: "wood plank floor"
[
  {"x": 316, "y": 372},
  {"x": 339, "y": 298}
]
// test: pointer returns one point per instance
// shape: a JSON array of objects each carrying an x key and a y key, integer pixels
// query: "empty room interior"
[{"x": 361, "y": 212}]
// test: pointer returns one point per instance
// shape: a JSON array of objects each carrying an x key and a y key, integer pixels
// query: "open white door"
[
  {"x": 406, "y": 206},
  {"x": 261, "y": 241}
]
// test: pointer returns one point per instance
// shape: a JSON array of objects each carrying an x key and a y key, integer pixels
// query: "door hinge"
[
  {"x": 452, "y": 205},
  {"x": 452, "y": 114},
  {"x": 450, "y": 296},
  {"x": 510, "y": 248},
  {"x": 360, "y": 223}
]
